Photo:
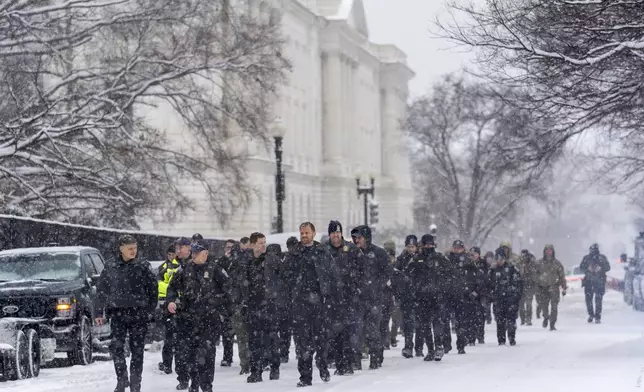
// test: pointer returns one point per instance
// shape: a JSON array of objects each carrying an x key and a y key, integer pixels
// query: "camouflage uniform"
[
  {"x": 529, "y": 270},
  {"x": 551, "y": 276}
]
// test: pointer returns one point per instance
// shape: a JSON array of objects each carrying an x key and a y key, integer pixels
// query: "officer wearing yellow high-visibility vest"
[{"x": 166, "y": 270}]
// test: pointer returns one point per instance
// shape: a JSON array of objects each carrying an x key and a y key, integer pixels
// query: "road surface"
[{"x": 578, "y": 357}]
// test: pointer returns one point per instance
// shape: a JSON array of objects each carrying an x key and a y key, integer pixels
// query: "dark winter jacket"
[
  {"x": 507, "y": 285},
  {"x": 472, "y": 282},
  {"x": 377, "y": 272},
  {"x": 430, "y": 273},
  {"x": 311, "y": 273},
  {"x": 127, "y": 285},
  {"x": 595, "y": 267},
  {"x": 403, "y": 260},
  {"x": 262, "y": 289},
  {"x": 204, "y": 291},
  {"x": 236, "y": 271},
  {"x": 456, "y": 283},
  {"x": 348, "y": 264}
]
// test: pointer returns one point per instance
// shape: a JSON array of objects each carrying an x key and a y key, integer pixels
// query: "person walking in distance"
[
  {"x": 127, "y": 292},
  {"x": 507, "y": 289},
  {"x": 528, "y": 269},
  {"x": 594, "y": 266},
  {"x": 550, "y": 277}
]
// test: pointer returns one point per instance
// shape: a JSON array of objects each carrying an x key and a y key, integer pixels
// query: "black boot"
[
  {"x": 325, "y": 375},
  {"x": 254, "y": 377},
  {"x": 275, "y": 374},
  {"x": 182, "y": 386},
  {"x": 373, "y": 362},
  {"x": 302, "y": 384},
  {"x": 121, "y": 385}
]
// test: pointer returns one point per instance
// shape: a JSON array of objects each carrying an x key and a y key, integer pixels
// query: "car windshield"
[{"x": 58, "y": 266}]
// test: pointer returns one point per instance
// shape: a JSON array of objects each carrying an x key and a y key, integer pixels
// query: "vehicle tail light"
[{"x": 65, "y": 307}]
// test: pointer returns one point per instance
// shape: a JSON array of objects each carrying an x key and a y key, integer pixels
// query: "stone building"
[{"x": 341, "y": 111}]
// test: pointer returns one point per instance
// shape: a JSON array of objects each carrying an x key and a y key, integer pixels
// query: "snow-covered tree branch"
[
  {"x": 577, "y": 63},
  {"x": 82, "y": 80},
  {"x": 466, "y": 177}
]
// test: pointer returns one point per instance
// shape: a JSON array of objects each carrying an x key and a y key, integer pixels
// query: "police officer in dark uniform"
[
  {"x": 204, "y": 305},
  {"x": 405, "y": 299},
  {"x": 431, "y": 274},
  {"x": 377, "y": 275},
  {"x": 127, "y": 292},
  {"x": 348, "y": 264},
  {"x": 228, "y": 332}
]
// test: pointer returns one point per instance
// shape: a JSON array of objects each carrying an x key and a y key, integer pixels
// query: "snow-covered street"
[{"x": 579, "y": 356}]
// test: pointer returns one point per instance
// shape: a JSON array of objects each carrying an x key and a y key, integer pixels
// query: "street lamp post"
[
  {"x": 278, "y": 135},
  {"x": 365, "y": 191}
]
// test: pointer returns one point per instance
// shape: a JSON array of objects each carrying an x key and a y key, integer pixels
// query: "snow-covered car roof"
[{"x": 51, "y": 249}]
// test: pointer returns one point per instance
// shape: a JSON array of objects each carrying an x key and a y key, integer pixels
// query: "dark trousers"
[
  {"x": 285, "y": 332},
  {"x": 170, "y": 340},
  {"x": 387, "y": 313},
  {"x": 263, "y": 341},
  {"x": 447, "y": 312},
  {"x": 344, "y": 347},
  {"x": 310, "y": 338},
  {"x": 596, "y": 291},
  {"x": 506, "y": 312},
  {"x": 410, "y": 326},
  {"x": 428, "y": 316},
  {"x": 480, "y": 315},
  {"x": 182, "y": 352},
  {"x": 465, "y": 312},
  {"x": 200, "y": 350},
  {"x": 227, "y": 338},
  {"x": 369, "y": 329},
  {"x": 132, "y": 322}
]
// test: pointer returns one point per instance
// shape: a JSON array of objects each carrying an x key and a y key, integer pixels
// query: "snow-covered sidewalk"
[{"x": 579, "y": 356}]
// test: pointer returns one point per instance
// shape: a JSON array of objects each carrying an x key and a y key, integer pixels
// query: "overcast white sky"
[{"x": 406, "y": 23}]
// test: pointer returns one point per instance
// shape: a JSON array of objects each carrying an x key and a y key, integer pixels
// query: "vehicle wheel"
[
  {"x": 33, "y": 347},
  {"x": 82, "y": 354},
  {"x": 19, "y": 364}
]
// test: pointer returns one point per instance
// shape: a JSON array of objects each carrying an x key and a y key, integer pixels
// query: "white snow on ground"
[{"x": 577, "y": 357}]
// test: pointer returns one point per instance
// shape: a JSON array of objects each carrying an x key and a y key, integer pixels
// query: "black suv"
[{"x": 57, "y": 284}]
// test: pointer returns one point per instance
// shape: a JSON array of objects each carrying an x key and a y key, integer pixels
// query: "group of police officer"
[{"x": 335, "y": 300}]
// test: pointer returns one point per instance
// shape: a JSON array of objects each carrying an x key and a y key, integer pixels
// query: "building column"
[{"x": 333, "y": 104}]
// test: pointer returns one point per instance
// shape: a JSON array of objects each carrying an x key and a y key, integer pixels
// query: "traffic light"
[{"x": 373, "y": 212}]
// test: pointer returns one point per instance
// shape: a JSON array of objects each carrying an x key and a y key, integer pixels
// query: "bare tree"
[
  {"x": 577, "y": 62},
  {"x": 81, "y": 80},
  {"x": 466, "y": 179}
]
